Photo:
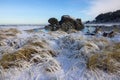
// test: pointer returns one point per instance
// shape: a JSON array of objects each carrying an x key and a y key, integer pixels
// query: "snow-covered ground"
[
  {"x": 22, "y": 27},
  {"x": 69, "y": 63},
  {"x": 102, "y": 24}
]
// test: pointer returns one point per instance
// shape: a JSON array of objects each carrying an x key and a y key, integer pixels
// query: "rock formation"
[
  {"x": 66, "y": 23},
  {"x": 108, "y": 17}
]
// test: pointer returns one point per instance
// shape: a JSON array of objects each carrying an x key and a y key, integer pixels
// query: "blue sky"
[{"x": 39, "y": 11}]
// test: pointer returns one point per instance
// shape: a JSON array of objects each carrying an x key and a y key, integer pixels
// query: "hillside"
[{"x": 108, "y": 17}]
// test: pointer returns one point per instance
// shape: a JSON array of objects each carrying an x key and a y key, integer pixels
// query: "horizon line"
[{"x": 22, "y": 24}]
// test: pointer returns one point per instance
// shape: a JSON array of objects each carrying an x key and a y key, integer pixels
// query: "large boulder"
[
  {"x": 69, "y": 23},
  {"x": 54, "y": 24},
  {"x": 78, "y": 24},
  {"x": 66, "y": 26},
  {"x": 53, "y": 21},
  {"x": 66, "y": 18},
  {"x": 48, "y": 27},
  {"x": 66, "y": 23}
]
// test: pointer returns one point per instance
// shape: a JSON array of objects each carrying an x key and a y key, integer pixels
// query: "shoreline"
[{"x": 102, "y": 24}]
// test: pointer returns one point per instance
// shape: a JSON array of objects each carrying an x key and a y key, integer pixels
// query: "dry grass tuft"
[
  {"x": 5, "y": 33},
  {"x": 71, "y": 31},
  {"x": 40, "y": 44},
  {"x": 2, "y": 36},
  {"x": 13, "y": 30},
  {"x": 29, "y": 31},
  {"x": 9, "y": 60},
  {"x": 108, "y": 61},
  {"x": 26, "y": 54},
  {"x": 116, "y": 46}
]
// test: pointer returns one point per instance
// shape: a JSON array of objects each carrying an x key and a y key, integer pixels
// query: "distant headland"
[{"x": 110, "y": 17}]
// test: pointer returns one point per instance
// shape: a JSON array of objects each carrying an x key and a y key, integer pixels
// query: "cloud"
[{"x": 102, "y": 6}]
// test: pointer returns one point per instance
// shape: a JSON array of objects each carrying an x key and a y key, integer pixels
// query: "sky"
[{"x": 39, "y": 11}]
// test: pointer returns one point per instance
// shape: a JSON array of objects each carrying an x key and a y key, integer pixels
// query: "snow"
[
  {"x": 102, "y": 24},
  {"x": 69, "y": 48},
  {"x": 22, "y": 27},
  {"x": 116, "y": 38}
]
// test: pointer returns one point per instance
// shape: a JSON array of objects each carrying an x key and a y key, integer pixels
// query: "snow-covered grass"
[{"x": 55, "y": 55}]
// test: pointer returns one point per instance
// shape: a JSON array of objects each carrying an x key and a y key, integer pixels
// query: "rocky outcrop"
[
  {"x": 54, "y": 24},
  {"x": 53, "y": 21},
  {"x": 108, "y": 17},
  {"x": 66, "y": 23},
  {"x": 78, "y": 24},
  {"x": 109, "y": 34}
]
